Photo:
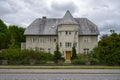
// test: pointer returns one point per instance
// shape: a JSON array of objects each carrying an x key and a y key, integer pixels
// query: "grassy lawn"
[{"x": 59, "y": 67}]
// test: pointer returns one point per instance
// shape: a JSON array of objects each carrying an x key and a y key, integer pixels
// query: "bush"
[
  {"x": 94, "y": 61},
  {"x": 17, "y": 56},
  {"x": 79, "y": 61}
]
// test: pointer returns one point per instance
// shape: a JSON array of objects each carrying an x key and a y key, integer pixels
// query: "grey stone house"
[{"x": 44, "y": 33}]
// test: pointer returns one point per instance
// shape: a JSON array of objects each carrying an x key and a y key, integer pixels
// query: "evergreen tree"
[
  {"x": 57, "y": 54},
  {"x": 74, "y": 55}
]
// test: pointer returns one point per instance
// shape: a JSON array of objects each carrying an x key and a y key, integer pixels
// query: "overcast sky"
[{"x": 24, "y": 12}]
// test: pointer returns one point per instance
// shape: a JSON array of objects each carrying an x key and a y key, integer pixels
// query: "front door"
[{"x": 68, "y": 55}]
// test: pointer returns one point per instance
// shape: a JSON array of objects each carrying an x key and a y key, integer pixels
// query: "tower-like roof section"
[{"x": 68, "y": 18}]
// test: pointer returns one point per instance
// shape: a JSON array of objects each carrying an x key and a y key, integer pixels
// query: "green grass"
[{"x": 59, "y": 67}]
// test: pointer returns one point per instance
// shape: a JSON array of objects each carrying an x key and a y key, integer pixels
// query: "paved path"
[{"x": 60, "y": 71}]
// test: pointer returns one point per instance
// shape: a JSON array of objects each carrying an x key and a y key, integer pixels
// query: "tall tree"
[
  {"x": 3, "y": 35},
  {"x": 57, "y": 54},
  {"x": 17, "y": 33}
]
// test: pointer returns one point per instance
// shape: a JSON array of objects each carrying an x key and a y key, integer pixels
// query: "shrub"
[
  {"x": 94, "y": 61},
  {"x": 79, "y": 61},
  {"x": 17, "y": 56}
]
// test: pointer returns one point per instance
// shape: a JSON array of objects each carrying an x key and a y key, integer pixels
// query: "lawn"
[{"x": 59, "y": 67}]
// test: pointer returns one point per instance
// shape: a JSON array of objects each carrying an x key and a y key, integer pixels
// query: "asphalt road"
[{"x": 59, "y": 71}]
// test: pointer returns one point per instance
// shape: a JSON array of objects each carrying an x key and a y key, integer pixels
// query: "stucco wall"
[
  {"x": 64, "y": 38},
  {"x": 41, "y": 42},
  {"x": 92, "y": 42}
]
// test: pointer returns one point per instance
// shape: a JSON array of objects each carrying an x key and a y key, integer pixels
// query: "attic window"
[{"x": 53, "y": 26}]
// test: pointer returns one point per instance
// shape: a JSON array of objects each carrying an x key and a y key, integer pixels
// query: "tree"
[
  {"x": 74, "y": 55},
  {"x": 57, "y": 54},
  {"x": 3, "y": 27},
  {"x": 17, "y": 33},
  {"x": 2, "y": 40},
  {"x": 104, "y": 36},
  {"x": 12, "y": 45},
  {"x": 7, "y": 33},
  {"x": 108, "y": 50},
  {"x": 3, "y": 35}
]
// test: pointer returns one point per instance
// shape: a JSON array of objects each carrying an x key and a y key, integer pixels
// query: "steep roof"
[
  {"x": 48, "y": 26},
  {"x": 68, "y": 19}
]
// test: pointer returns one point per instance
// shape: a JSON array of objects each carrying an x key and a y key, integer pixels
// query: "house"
[{"x": 44, "y": 33}]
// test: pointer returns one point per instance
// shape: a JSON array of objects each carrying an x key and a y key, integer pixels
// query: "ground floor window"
[
  {"x": 48, "y": 50},
  {"x": 42, "y": 49},
  {"x": 68, "y": 44},
  {"x": 86, "y": 50},
  {"x": 60, "y": 44}
]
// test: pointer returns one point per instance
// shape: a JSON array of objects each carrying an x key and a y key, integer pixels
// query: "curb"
[{"x": 56, "y": 73}]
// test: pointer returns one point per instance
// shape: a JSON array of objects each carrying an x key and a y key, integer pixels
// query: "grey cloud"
[
  {"x": 60, "y": 8},
  {"x": 23, "y": 12},
  {"x": 64, "y": 6},
  {"x": 6, "y": 8}
]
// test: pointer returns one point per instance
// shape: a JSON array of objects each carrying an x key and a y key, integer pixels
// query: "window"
[
  {"x": 41, "y": 49},
  {"x": 48, "y": 50},
  {"x": 68, "y": 32},
  {"x": 41, "y": 40},
  {"x": 68, "y": 44},
  {"x": 75, "y": 44},
  {"x": 60, "y": 44},
  {"x": 54, "y": 40},
  {"x": 34, "y": 39},
  {"x": 60, "y": 33},
  {"x": 86, "y": 50},
  {"x": 86, "y": 39},
  {"x": 49, "y": 39},
  {"x": 75, "y": 32}
]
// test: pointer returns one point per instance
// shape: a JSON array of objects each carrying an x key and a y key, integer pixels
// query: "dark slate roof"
[{"x": 48, "y": 26}]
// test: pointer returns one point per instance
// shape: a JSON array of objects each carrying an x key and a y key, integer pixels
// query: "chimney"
[{"x": 44, "y": 17}]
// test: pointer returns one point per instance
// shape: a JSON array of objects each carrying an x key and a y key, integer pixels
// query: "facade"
[{"x": 44, "y": 33}]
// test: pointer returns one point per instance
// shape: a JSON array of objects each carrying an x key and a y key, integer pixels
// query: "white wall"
[
  {"x": 90, "y": 44},
  {"x": 45, "y": 42}
]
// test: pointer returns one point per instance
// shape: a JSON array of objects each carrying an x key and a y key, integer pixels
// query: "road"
[
  {"x": 60, "y": 71},
  {"x": 61, "y": 74}
]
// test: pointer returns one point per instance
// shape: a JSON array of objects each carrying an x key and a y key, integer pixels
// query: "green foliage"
[
  {"x": 17, "y": 33},
  {"x": 74, "y": 55},
  {"x": 12, "y": 45},
  {"x": 8, "y": 33},
  {"x": 17, "y": 56},
  {"x": 57, "y": 54},
  {"x": 3, "y": 27},
  {"x": 94, "y": 61},
  {"x": 108, "y": 50},
  {"x": 80, "y": 61},
  {"x": 3, "y": 35}
]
